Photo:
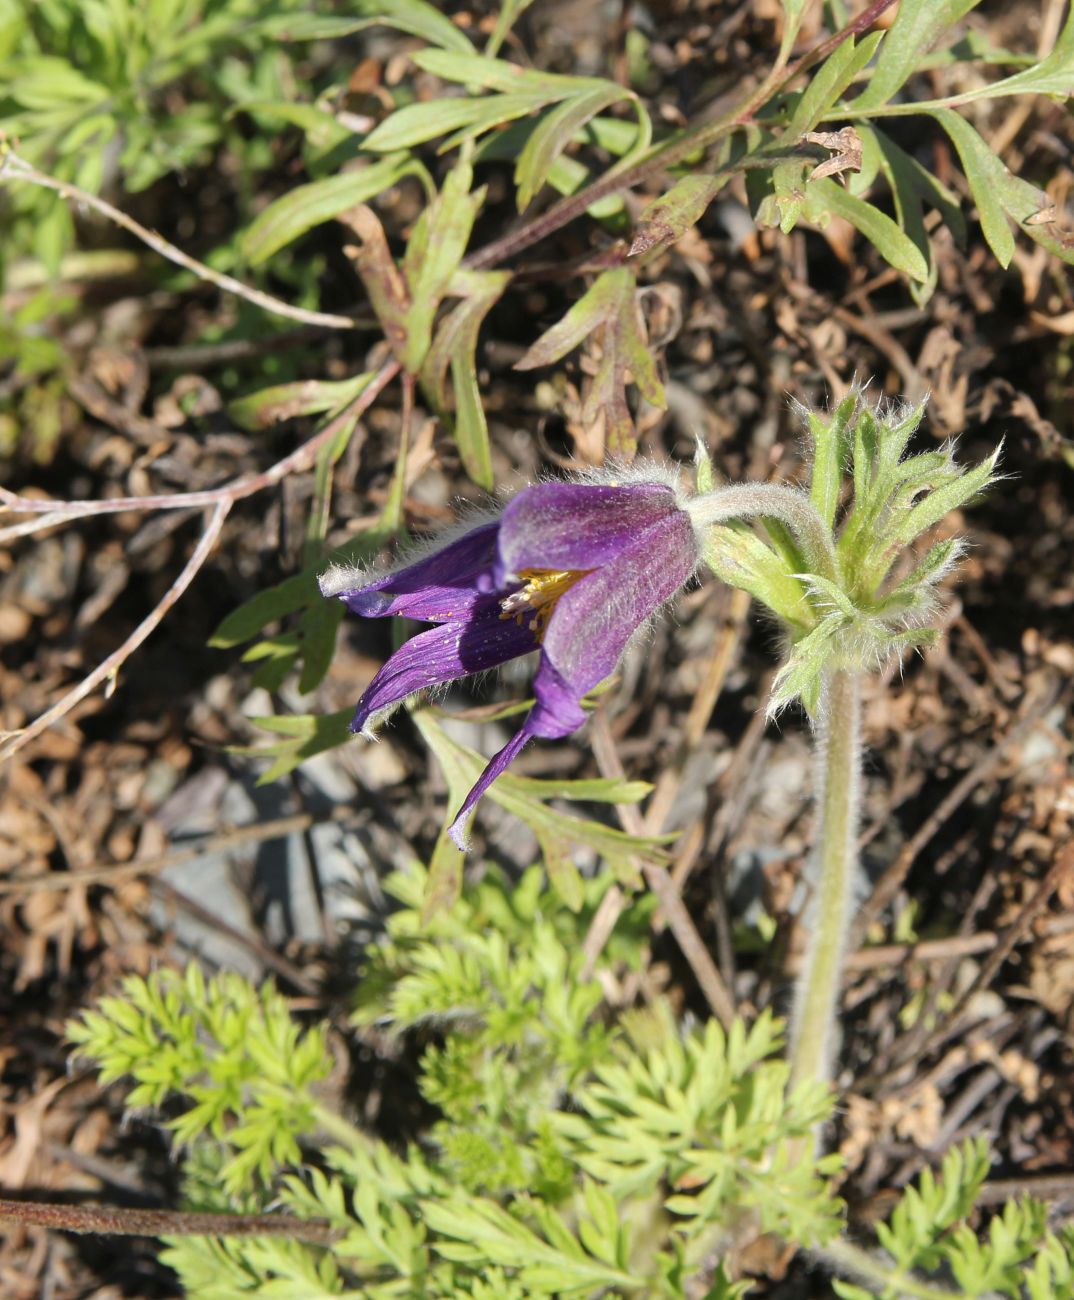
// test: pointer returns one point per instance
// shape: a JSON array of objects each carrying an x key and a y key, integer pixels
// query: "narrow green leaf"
[
  {"x": 1053, "y": 75},
  {"x": 309, "y": 205},
  {"x": 454, "y": 348},
  {"x": 987, "y": 176},
  {"x": 433, "y": 254},
  {"x": 593, "y": 789},
  {"x": 414, "y": 16},
  {"x": 510, "y": 12},
  {"x": 824, "y": 196},
  {"x": 502, "y": 76},
  {"x": 669, "y": 217},
  {"x": 951, "y": 496},
  {"x": 554, "y": 133},
  {"x": 304, "y": 735},
  {"x": 829, "y": 82},
  {"x": 462, "y": 767},
  {"x": 913, "y": 187},
  {"x": 793, "y": 13},
  {"x": 417, "y": 123},
  {"x": 266, "y": 607},
  {"x": 562, "y": 873},
  {"x": 831, "y": 450},
  {"x": 917, "y": 26},
  {"x": 591, "y": 310},
  {"x": 268, "y": 406},
  {"x": 323, "y": 130}
]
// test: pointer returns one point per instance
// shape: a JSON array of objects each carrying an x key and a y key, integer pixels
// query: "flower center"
[{"x": 537, "y": 598}]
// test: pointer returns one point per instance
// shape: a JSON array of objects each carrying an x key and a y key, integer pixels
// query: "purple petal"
[
  {"x": 578, "y": 525},
  {"x": 496, "y": 766},
  {"x": 438, "y": 588},
  {"x": 444, "y": 654},
  {"x": 595, "y": 619}
]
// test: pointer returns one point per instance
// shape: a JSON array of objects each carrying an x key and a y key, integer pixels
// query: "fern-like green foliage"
[
  {"x": 514, "y": 1191},
  {"x": 575, "y": 1155},
  {"x": 89, "y": 85},
  {"x": 929, "y": 1231},
  {"x": 234, "y": 1052}
]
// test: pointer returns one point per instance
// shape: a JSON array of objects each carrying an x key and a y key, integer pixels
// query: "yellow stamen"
[{"x": 539, "y": 596}]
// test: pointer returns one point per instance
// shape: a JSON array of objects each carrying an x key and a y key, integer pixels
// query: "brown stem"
[
  {"x": 221, "y": 499},
  {"x": 670, "y": 153},
  {"x": 12, "y": 167},
  {"x": 673, "y": 910},
  {"x": 109, "y": 669},
  {"x": 113, "y": 1221},
  {"x": 299, "y": 459}
]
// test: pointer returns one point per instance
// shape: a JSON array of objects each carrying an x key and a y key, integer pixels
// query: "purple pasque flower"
[{"x": 570, "y": 569}]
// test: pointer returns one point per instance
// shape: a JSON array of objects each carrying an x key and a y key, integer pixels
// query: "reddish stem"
[{"x": 113, "y": 1221}]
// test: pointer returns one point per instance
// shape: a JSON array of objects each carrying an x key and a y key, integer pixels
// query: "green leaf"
[
  {"x": 950, "y": 496},
  {"x": 609, "y": 305},
  {"x": 268, "y": 406},
  {"x": 304, "y": 735},
  {"x": 586, "y": 315},
  {"x": 829, "y": 82},
  {"x": 510, "y": 12},
  {"x": 913, "y": 187},
  {"x": 1053, "y": 75},
  {"x": 793, "y": 13},
  {"x": 917, "y": 26},
  {"x": 309, "y": 205},
  {"x": 831, "y": 450},
  {"x": 809, "y": 658},
  {"x": 266, "y": 607},
  {"x": 986, "y": 175},
  {"x": 454, "y": 348},
  {"x": 45, "y": 81},
  {"x": 433, "y": 253},
  {"x": 554, "y": 133},
  {"x": 824, "y": 197},
  {"x": 480, "y": 1230},
  {"x": 1001, "y": 196},
  {"x": 322, "y": 129},
  {"x": 414, "y": 16},
  {"x": 501, "y": 76},
  {"x": 415, "y": 124},
  {"x": 526, "y": 799},
  {"x": 669, "y": 217},
  {"x": 737, "y": 556}
]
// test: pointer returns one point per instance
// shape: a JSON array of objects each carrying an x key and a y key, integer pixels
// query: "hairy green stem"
[
  {"x": 852, "y": 1261},
  {"x": 772, "y": 501},
  {"x": 833, "y": 877}
]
